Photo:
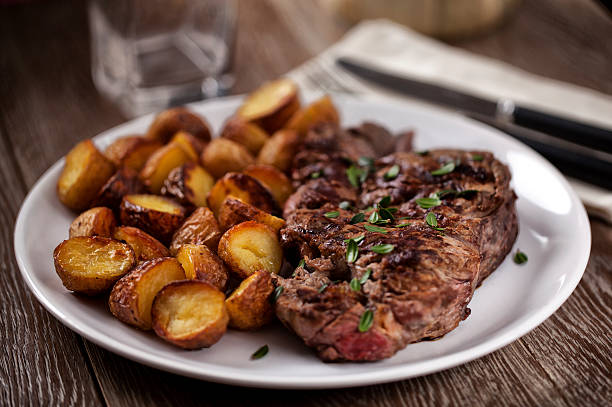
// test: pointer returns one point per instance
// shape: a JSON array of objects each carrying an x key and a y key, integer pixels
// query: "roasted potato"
[
  {"x": 249, "y": 247},
  {"x": 123, "y": 182},
  {"x": 233, "y": 211},
  {"x": 320, "y": 111},
  {"x": 271, "y": 105},
  {"x": 132, "y": 296},
  {"x": 222, "y": 156},
  {"x": 249, "y": 306},
  {"x": 171, "y": 121},
  {"x": 243, "y": 187},
  {"x": 192, "y": 145},
  {"x": 200, "y": 263},
  {"x": 132, "y": 151},
  {"x": 93, "y": 222},
  {"x": 91, "y": 264},
  {"x": 84, "y": 173},
  {"x": 190, "y": 314},
  {"x": 145, "y": 246},
  {"x": 243, "y": 132},
  {"x": 200, "y": 227},
  {"x": 189, "y": 184},
  {"x": 275, "y": 181},
  {"x": 156, "y": 215},
  {"x": 159, "y": 165},
  {"x": 280, "y": 149}
]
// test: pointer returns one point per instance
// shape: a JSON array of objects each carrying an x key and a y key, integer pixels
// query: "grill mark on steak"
[{"x": 422, "y": 288}]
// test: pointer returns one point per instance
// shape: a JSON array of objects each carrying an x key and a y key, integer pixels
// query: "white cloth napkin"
[{"x": 399, "y": 50}]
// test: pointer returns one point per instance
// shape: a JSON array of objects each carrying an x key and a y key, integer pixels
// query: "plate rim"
[{"x": 512, "y": 332}]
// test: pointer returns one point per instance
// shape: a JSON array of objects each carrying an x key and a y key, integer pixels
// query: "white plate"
[{"x": 554, "y": 232}]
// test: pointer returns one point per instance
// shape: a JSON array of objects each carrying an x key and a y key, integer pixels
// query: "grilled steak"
[{"x": 438, "y": 250}]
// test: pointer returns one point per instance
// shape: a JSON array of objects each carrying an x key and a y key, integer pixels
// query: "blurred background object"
[
  {"x": 151, "y": 54},
  {"x": 446, "y": 19}
]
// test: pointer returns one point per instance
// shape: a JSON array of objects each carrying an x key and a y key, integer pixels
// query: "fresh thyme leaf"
[
  {"x": 520, "y": 257},
  {"x": 445, "y": 169},
  {"x": 385, "y": 214},
  {"x": 445, "y": 192},
  {"x": 359, "y": 239},
  {"x": 428, "y": 202},
  {"x": 355, "y": 285},
  {"x": 332, "y": 214},
  {"x": 365, "y": 276},
  {"x": 382, "y": 248},
  {"x": 402, "y": 225},
  {"x": 374, "y": 217},
  {"x": 477, "y": 157},
  {"x": 384, "y": 202},
  {"x": 302, "y": 263},
  {"x": 357, "y": 218},
  {"x": 422, "y": 153},
  {"x": 344, "y": 205},
  {"x": 353, "y": 174},
  {"x": 315, "y": 175},
  {"x": 323, "y": 287},
  {"x": 277, "y": 293},
  {"x": 366, "y": 162},
  {"x": 392, "y": 173},
  {"x": 365, "y": 323},
  {"x": 404, "y": 217},
  {"x": 467, "y": 193},
  {"x": 391, "y": 210},
  {"x": 431, "y": 220},
  {"x": 260, "y": 353},
  {"x": 372, "y": 228},
  {"x": 352, "y": 251}
]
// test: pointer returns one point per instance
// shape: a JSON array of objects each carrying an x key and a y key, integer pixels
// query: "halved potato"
[
  {"x": 271, "y": 105},
  {"x": 171, "y": 121},
  {"x": 233, "y": 211},
  {"x": 249, "y": 306},
  {"x": 191, "y": 144},
  {"x": 200, "y": 263},
  {"x": 123, "y": 182},
  {"x": 319, "y": 111},
  {"x": 98, "y": 221},
  {"x": 189, "y": 184},
  {"x": 280, "y": 149},
  {"x": 84, "y": 173},
  {"x": 275, "y": 181},
  {"x": 159, "y": 165},
  {"x": 156, "y": 215},
  {"x": 190, "y": 314},
  {"x": 200, "y": 227},
  {"x": 243, "y": 187},
  {"x": 243, "y": 132},
  {"x": 222, "y": 155},
  {"x": 91, "y": 264},
  {"x": 131, "y": 151},
  {"x": 145, "y": 246},
  {"x": 249, "y": 247},
  {"x": 132, "y": 296}
]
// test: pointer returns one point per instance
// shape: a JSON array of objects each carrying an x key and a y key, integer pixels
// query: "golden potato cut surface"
[
  {"x": 222, "y": 156},
  {"x": 192, "y": 145},
  {"x": 132, "y": 296},
  {"x": 275, "y": 181},
  {"x": 145, "y": 246},
  {"x": 249, "y": 247},
  {"x": 159, "y": 165},
  {"x": 189, "y": 184},
  {"x": 233, "y": 211},
  {"x": 91, "y": 265},
  {"x": 280, "y": 149},
  {"x": 156, "y": 215},
  {"x": 249, "y": 305},
  {"x": 190, "y": 314},
  {"x": 200, "y": 263},
  {"x": 131, "y": 151},
  {"x": 201, "y": 227},
  {"x": 98, "y": 221},
  {"x": 244, "y": 188},
  {"x": 167, "y": 123},
  {"x": 320, "y": 111},
  {"x": 243, "y": 132}
]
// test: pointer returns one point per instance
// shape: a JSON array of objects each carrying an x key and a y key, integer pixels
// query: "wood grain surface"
[{"x": 48, "y": 102}]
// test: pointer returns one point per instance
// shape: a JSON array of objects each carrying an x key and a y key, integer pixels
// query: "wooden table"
[{"x": 48, "y": 102}]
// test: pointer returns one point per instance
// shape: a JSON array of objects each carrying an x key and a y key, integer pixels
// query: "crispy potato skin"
[
  {"x": 174, "y": 307},
  {"x": 280, "y": 149},
  {"x": 320, "y": 111},
  {"x": 159, "y": 224},
  {"x": 275, "y": 181},
  {"x": 233, "y": 211},
  {"x": 160, "y": 164},
  {"x": 200, "y": 263},
  {"x": 276, "y": 102},
  {"x": 167, "y": 123},
  {"x": 192, "y": 145},
  {"x": 249, "y": 305},
  {"x": 189, "y": 184},
  {"x": 84, "y": 173},
  {"x": 243, "y": 187},
  {"x": 94, "y": 222},
  {"x": 124, "y": 181},
  {"x": 83, "y": 264},
  {"x": 132, "y": 296},
  {"x": 131, "y": 151},
  {"x": 243, "y": 132},
  {"x": 201, "y": 227},
  {"x": 145, "y": 246},
  {"x": 222, "y": 156},
  {"x": 249, "y": 247}
]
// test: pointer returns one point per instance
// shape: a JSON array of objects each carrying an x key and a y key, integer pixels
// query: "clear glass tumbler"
[{"x": 151, "y": 54}]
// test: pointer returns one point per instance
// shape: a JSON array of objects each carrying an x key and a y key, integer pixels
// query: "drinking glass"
[{"x": 151, "y": 54}]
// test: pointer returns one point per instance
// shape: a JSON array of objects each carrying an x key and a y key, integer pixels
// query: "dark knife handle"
[{"x": 576, "y": 132}]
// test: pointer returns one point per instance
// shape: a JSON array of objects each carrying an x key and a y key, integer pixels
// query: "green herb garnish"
[
  {"x": 323, "y": 287},
  {"x": 382, "y": 248},
  {"x": 477, "y": 157},
  {"x": 352, "y": 251},
  {"x": 355, "y": 285},
  {"x": 403, "y": 225},
  {"x": 365, "y": 323},
  {"x": 357, "y": 218},
  {"x": 431, "y": 219},
  {"x": 520, "y": 257},
  {"x": 315, "y": 175},
  {"x": 302, "y": 263},
  {"x": 445, "y": 169},
  {"x": 384, "y": 202},
  {"x": 260, "y": 353},
  {"x": 372, "y": 228},
  {"x": 332, "y": 214},
  {"x": 366, "y": 162},
  {"x": 359, "y": 239},
  {"x": 344, "y": 205},
  {"x": 353, "y": 174},
  {"x": 365, "y": 276},
  {"x": 385, "y": 214},
  {"x": 277, "y": 293},
  {"x": 374, "y": 217},
  {"x": 392, "y": 173},
  {"x": 422, "y": 153},
  {"x": 428, "y": 202}
]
